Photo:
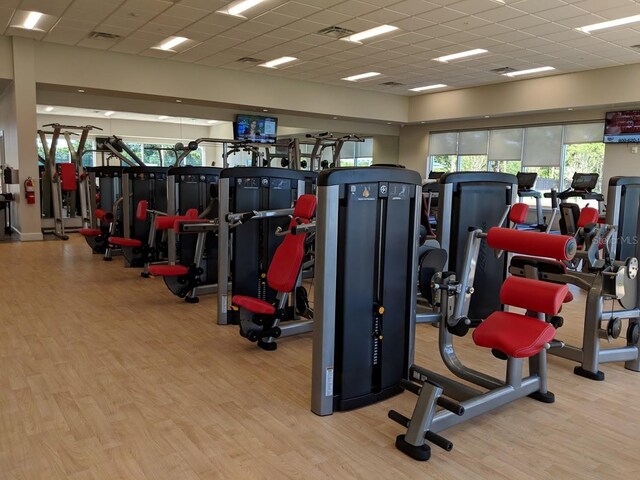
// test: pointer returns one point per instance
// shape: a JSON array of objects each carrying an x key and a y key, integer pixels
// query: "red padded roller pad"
[
  {"x": 516, "y": 335},
  {"x": 518, "y": 213},
  {"x": 533, "y": 295},
  {"x": 68, "y": 177},
  {"x": 587, "y": 215},
  {"x": 166, "y": 222},
  {"x": 537, "y": 244},
  {"x": 141, "y": 210},
  {"x": 104, "y": 216}
]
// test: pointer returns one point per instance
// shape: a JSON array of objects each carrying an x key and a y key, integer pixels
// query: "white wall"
[
  {"x": 385, "y": 149},
  {"x": 620, "y": 161}
]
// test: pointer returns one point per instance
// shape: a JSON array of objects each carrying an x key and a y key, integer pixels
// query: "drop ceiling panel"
[{"x": 520, "y": 34}]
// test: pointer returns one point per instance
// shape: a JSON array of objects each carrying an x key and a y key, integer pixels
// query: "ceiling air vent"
[
  {"x": 104, "y": 36},
  {"x": 503, "y": 70},
  {"x": 249, "y": 60},
  {"x": 392, "y": 84},
  {"x": 336, "y": 32}
]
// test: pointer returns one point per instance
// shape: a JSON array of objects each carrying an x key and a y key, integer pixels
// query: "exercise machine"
[
  {"x": 367, "y": 225},
  {"x": 261, "y": 321},
  {"x": 60, "y": 181},
  {"x": 443, "y": 401},
  {"x": 610, "y": 273},
  {"x": 582, "y": 186}
]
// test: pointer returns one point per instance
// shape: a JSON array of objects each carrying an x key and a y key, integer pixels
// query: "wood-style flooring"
[{"x": 106, "y": 375}]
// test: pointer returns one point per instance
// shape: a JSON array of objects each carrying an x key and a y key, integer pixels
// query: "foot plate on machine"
[
  {"x": 598, "y": 376},
  {"x": 547, "y": 397},
  {"x": 421, "y": 453}
]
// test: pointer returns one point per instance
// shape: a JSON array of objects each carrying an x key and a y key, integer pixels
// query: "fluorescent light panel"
[
  {"x": 428, "y": 87},
  {"x": 362, "y": 76},
  {"x": 372, "y": 32},
  {"x": 517, "y": 73},
  {"x": 109, "y": 113},
  {"x": 610, "y": 24},
  {"x": 278, "y": 61},
  {"x": 48, "y": 109},
  {"x": 172, "y": 42},
  {"x": 162, "y": 117},
  {"x": 457, "y": 56},
  {"x": 239, "y": 6},
  {"x": 32, "y": 20}
]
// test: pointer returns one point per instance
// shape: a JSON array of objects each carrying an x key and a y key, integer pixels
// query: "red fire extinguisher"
[{"x": 29, "y": 191}]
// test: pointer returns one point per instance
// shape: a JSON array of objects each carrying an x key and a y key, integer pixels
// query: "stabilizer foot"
[
  {"x": 268, "y": 346},
  {"x": 546, "y": 397},
  {"x": 145, "y": 275},
  {"x": 191, "y": 299},
  {"x": 107, "y": 259},
  {"x": 598, "y": 376},
  {"x": 421, "y": 453}
]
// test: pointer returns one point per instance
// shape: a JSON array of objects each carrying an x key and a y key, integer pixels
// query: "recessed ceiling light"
[
  {"x": 487, "y": 116},
  {"x": 517, "y": 73},
  {"x": 610, "y": 24},
  {"x": 48, "y": 109},
  {"x": 388, "y": 123},
  {"x": 335, "y": 118},
  {"x": 372, "y": 32},
  {"x": 210, "y": 122},
  {"x": 362, "y": 76},
  {"x": 171, "y": 42},
  {"x": 265, "y": 110},
  {"x": 80, "y": 90},
  {"x": 178, "y": 100},
  {"x": 457, "y": 56},
  {"x": 163, "y": 117},
  {"x": 109, "y": 113},
  {"x": 428, "y": 87},
  {"x": 239, "y": 6},
  {"x": 569, "y": 108},
  {"x": 278, "y": 61},
  {"x": 32, "y": 20}
]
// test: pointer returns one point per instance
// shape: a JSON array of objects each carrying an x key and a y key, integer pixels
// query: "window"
[
  {"x": 357, "y": 154},
  {"x": 62, "y": 150},
  {"x": 554, "y": 152}
]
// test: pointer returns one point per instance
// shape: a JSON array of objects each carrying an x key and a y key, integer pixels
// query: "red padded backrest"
[
  {"x": 141, "y": 211},
  {"x": 518, "y": 213},
  {"x": 286, "y": 263},
  {"x": 536, "y": 244},
  {"x": 533, "y": 295},
  {"x": 587, "y": 215},
  {"x": 103, "y": 216},
  {"x": 287, "y": 260},
  {"x": 305, "y": 206},
  {"x": 68, "y": 177}
]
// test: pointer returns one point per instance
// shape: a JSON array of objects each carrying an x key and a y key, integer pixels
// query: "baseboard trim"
[{"x": 29, "y": 237}]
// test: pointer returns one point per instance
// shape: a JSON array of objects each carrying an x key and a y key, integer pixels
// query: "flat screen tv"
[
  {"x": 256, "y": 128},
  {"x": 622, "y": 127}
]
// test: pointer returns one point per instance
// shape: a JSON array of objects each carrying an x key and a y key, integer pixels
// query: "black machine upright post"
[{"x": 365, "y": 288}]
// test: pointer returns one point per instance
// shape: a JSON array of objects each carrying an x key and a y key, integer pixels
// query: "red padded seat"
[
  {"x": 168, "y": 270},
  {"x": 518, "y": 213},
  {"x": 125, "y": 242},
  {"x": 516, "y": 335},
  {"x": 90, "y": 232},
  {"x": 254, "y": 305},
  {"x": 568, "y": 298}
]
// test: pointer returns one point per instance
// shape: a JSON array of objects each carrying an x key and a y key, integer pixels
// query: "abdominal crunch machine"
[{"x": 510, "y": 336}]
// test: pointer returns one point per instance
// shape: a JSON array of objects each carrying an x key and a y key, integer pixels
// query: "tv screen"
[
  {"x": 622, "y": 127},
  {"x": 255, "y": 128}
]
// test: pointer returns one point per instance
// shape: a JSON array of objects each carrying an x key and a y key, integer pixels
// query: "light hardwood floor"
[{"x": 105, "y": 375}]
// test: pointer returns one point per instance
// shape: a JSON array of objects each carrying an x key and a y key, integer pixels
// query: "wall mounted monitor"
[
  {"x": 622, "y": 127},
  {"x": 256, "y": 128}
]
